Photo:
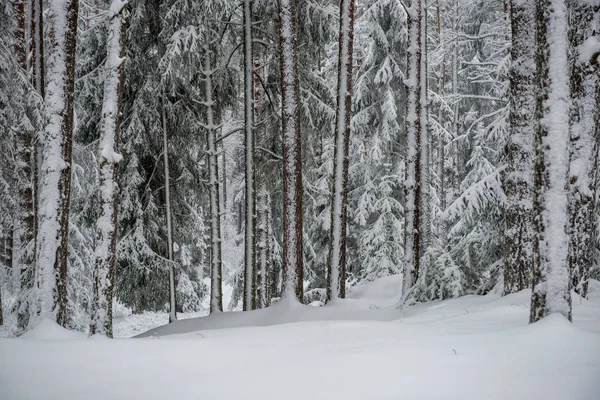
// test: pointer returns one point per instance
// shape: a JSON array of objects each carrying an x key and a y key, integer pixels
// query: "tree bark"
[
  {"x": 417, "y": 178},
  {"x": 249, "y": 302},
  {"x": 172, "y": 304},
  {"x": 216, "y": 299},
  {"x": 551, "y": 281},
  {"x": 25, "y": 153},
  {"x": 518, "y": 181},
  {"x": 584, "y": 109},
  {"x": 55, "y": 192},
  {"x": 106, "y": 226},
  {"x": 336, "y": 266},
  {"x": 292, "y": 153},
  {"x": 263, "y": 256}
]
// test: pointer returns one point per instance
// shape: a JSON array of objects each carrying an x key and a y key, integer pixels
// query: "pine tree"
[
  {"x": 583, "y": 21},
  {"x": 292, "y": 153},
  {"x": 106, "y": 226},
  {"x": 55, "y": 190},
  {"x": 551, "y": 282},
  {"x": 518, "y": 181},
  {"x": 336, "y": 276}
]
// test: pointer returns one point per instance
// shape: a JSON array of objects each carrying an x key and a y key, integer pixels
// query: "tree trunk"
[
  {"x": 55, "y": 193},
  {"x": 336, "y": 266},
  {"x": 25, "y": 153},
  {"x": 263, "y": 256},
  {"x": 551, "y": 282},
  {"x": 249, "y": 302},
  {"x": 216, "y": 299},
  {"x": 584, "y": 110},
  {"x": 415, "y": 162},
  {"x": 292, "y": 153},
  {"x": 172, "y": 304},
  {"x": 518, "y": 181},
  {"x": 106, "y": 226}
]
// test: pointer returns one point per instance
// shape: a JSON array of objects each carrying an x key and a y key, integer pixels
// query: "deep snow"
[{"x": 473, "y": 347}]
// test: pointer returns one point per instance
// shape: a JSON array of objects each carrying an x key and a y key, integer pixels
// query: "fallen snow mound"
[{"x": 50, "y": 330}]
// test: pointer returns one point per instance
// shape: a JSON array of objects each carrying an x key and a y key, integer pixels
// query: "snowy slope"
[{"x": 474, "y": 347}]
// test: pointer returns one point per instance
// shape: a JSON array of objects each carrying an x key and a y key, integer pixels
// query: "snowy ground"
[{"x": 474, "y": 347}]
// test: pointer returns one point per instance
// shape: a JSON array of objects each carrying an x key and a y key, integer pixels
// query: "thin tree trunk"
[
  {"x": 292, "y": 153},
  {"x": 336, "y": 266},
  {"x": 518, "y": 181},
  {"x": 38, "y": 77},
  {"x": 216, "y": 299},
  {"x": 425, "y": 149},
  {"x": 106, "y": 226},
  {"x": 249, "y": 302},
  {"x": 551, "y": 281},
  {"x": 582, "y": 189},
  {"x": 263, "y": 256},
  {"x": 172, "y": 304},
  {"x": 55, "y": 193}
]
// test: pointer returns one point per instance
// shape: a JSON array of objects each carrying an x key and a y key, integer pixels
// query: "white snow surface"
[{"x": 473, "y": 347}]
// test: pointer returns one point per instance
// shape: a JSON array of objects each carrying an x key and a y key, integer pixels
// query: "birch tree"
[
  {"x": 106, "y": 226},
  {"x": 551, "y": 282},
  {"x": 336, "y": 277},
  {"x": 292, "y": 152},
  {"x": 518, "y": 180},
  {"x": 55, "y": 188},
  {"x": 584, "y": 18}
]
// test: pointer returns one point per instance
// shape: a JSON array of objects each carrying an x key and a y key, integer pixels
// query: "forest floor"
[{"x": 473, "y": 347}]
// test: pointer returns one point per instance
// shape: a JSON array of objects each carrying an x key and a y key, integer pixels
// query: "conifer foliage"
[{"x": 203, "y": 156}]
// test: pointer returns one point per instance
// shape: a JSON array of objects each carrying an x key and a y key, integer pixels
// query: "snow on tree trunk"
[
  {"x": 263, "y": 256},
  {"x": 249, "y": 302},
  {"x": 425, "y": 140},
  {"x": 55, "y": 182},
  {"x": 518, "y": 181},
  {"x": 25, "y": 152},
  {"x": 106, "y": 226},
  {"x": 292, "y": 153},
  {"x": 172, "y": 305},
  {"x": 216, "y": 297},
  {"x": 584, "y": 110},
  {"x": 551, "y": 282},
  {"x": 336, "y": 267},
  {"x": 417, "y": 179}
]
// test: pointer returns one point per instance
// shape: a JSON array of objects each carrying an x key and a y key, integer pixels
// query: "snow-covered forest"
[{"x": 286, "y": 161}]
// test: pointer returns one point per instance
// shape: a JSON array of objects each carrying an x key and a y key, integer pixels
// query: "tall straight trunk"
[
  {"x": 551, "y": 282},
  {"x": 262, "y": 245},
  {"x": 55, "y": 192},
  {"x": 25, "y": 153},
  {"x": 413, "y": 184},
  {"x": 336, "y": 266},
  {"x": 292, "y": 152},
  {"x": 518, "y": 181},
  {"x": 38, "y": 77},
  {"x": 249, "y": 302},
  {"x": 584, "y": 109},
  {"x": 216, "y": 296},
  {"x": 106, "y": 226},
  {"x": 172, "y": 304},
  {"x": 441, "y": 142},
  {"x": 425, "y": 148}
]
